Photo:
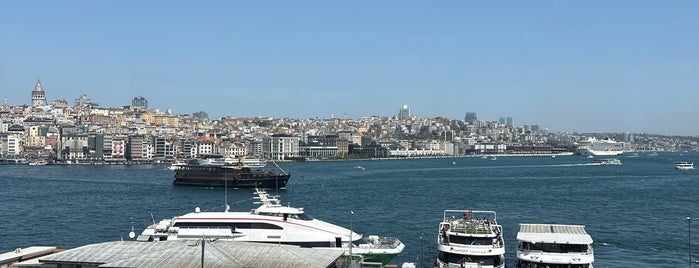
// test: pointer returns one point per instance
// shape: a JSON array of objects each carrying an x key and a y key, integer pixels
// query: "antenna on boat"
[
  {"x": 132, "y": 234},
  {"x": 350, "y": 235}
]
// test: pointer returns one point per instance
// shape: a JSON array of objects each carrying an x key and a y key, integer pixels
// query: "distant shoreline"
[
  {"x": 489, "y": 156},
  {"x": 161, "y": 162}
]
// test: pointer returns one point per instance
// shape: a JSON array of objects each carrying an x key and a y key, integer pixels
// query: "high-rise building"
[
  {"x": 38, "y": 95},
  {"x": 83, "y": 101},
  {"x": 5, "y": 107},
  {"x": 139, "y": 102},
  {"x": 404, "y": 112},
  {"x": 506, "y": 121},
  {"x": 470, "y": 117},
  {"x": 200, "y": 115}
]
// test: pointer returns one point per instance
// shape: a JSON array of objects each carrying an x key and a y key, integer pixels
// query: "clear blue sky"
[{"x": 586, "y": 66}]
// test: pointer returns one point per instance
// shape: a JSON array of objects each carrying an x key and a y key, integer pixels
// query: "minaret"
[
  {"x": 38, "y": 95},
  {"x": 5, "y": 107}
]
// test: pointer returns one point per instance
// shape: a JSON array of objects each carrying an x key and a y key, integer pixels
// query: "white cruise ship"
[
  {"x": 273, "y": 223},
  {"x": 554, "y": 246},
  {"x": 470, "y": 239},
  {"x": 595, "y": 147}
]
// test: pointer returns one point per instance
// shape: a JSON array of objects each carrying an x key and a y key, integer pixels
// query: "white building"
[
  {"x": 11, "y": 144},
  {"x": 281, "y": 147}
]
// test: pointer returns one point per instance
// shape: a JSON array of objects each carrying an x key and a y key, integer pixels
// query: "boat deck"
[
  {"x": 470, "y": 222},
  {"x": 554, "y": 233},
  {"x": 472, "y": 226}
]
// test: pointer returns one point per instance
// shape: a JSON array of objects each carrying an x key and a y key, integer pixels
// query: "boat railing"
[
  {"x": 590, "y": 251},
  {"x": 498, "y": 242},
  {"x": 471, "y": 228},
  {"x": 201, "y": 228}
]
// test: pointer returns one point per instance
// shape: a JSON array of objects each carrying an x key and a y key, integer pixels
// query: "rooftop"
[
  {"x": 188, "y": 253},
  {"x": 553, "y": 233}
]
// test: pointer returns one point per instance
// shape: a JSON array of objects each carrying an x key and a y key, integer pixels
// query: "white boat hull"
[{"x": 599, "y": 153}]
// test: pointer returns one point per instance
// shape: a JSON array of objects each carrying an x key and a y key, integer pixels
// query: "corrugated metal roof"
[
  {"x": 19, "y": 253},
  {"x": 553, "y": 233},
  {"x": 187, "y": 253}
]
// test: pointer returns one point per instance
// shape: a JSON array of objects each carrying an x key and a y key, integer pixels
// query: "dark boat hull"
[{"x": 221, "y": 176}]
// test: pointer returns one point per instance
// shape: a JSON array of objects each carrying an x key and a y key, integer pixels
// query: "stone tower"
[{"x": 38, "y": 95}]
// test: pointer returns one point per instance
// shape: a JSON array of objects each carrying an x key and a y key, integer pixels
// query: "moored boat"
[
  {"x": 211, "y": 172},
  {"x": 470, "y": 238},
  {"x": 273, "y": 223},
  {"x": 554, "y": 246}
]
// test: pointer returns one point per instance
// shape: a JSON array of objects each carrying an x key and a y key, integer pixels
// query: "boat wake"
[{"x": 577, "y": 165}]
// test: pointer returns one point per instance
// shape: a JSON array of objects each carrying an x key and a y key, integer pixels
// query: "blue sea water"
[{"x": 636, "y": 212}]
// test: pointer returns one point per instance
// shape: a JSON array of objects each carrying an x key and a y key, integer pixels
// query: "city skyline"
[{"x": 593, "y": 66}]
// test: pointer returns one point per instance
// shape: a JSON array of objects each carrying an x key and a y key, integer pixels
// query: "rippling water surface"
[{"x": 636, "y": 213}]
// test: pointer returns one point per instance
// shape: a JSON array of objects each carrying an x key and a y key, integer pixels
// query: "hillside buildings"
[{"x": 87, "y": 132}]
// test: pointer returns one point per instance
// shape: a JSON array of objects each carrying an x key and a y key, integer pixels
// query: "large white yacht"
[
  {"x": 595, "y": 147},
  {"x": 554, "y": 246},
  {"x": 470, "y": 238},
  {"x": 273, "y": 223}
]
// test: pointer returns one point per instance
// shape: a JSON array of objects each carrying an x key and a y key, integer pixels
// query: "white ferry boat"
[
  {"x": 608, "y": 161},
  {"x": 177, "y": 164},
  {"x": 273, "y": 223},
  {"x": 39, "y": 162},
  {"x": 595, "y": 147},
  {"x": 554, "y": 246},
  {"x": 684, "y": 165},
  {"x": 470, "y": 238}
]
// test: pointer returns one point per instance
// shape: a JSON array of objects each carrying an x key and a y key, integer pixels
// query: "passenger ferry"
[
  {"x": 684, "y": 165},
  {"x": 554, "y": 246},
  {"x": 470, "y": 238},
  {"x": 608, "y": 161},
  {"x": 215, "y": 171},
  {"x": 273, "y": 223},
  {"x": 212, "y": 159},
  {"x": 595, "y": 147}
]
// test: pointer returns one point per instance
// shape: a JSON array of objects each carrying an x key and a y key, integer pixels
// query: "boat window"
[
  {"x": 270, "y": 214},
  {"x": 301, "y": 216},
  {"x": 526, "y": 264},
  {"x": 555, "y": 248},
  {"x": 470, "y": 240},
  {"x": 236, "y": 225}
]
